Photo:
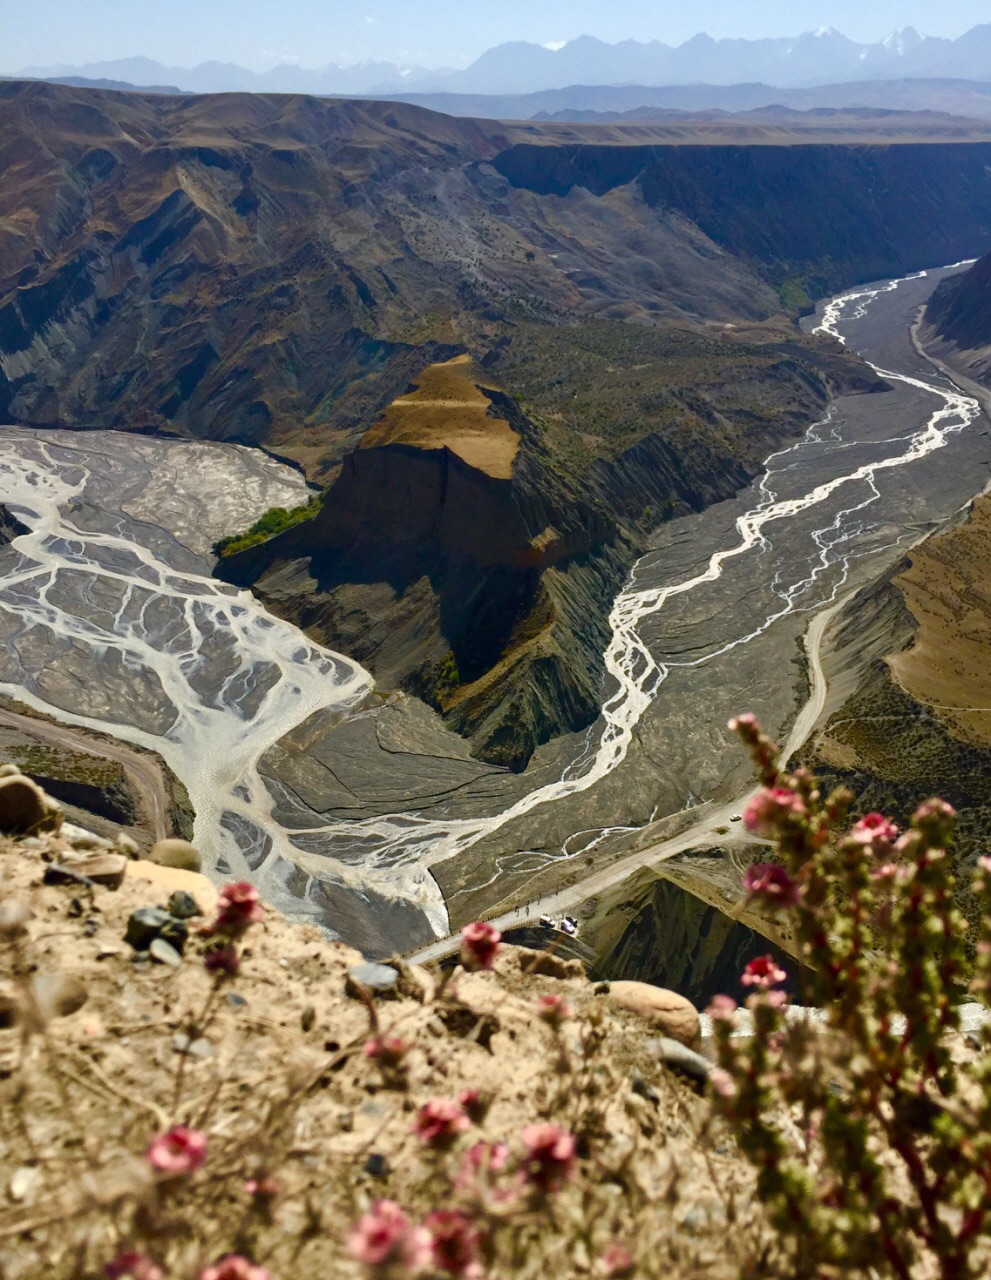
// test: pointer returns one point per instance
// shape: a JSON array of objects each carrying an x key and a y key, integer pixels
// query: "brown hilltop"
[{"x": 446, "y": 409}]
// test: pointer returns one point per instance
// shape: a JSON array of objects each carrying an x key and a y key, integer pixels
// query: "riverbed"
[{"x": 356, "y": 807}]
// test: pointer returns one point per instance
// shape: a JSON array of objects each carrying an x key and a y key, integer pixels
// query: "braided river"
[{"x": 110, "y": 619}]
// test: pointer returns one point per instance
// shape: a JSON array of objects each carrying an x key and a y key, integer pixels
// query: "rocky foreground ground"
[{"x": 306, "y": 1075}]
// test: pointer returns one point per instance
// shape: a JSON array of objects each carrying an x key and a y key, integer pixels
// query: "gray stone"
[
  {"x": 148, "y": 923},
  {"x": 145, "y": 924},
  {"x": 674, "y": 1054},
  {"x": 106, "y": 869},
  {"x": 183, "y": 906},
  {"x": 179, "y": 854},
  {"x": 199, "y": 1048},
  {"x": 80, "y": 838},
  {"x": 164, "y": 952},
  {"x": 379, "y": 979},
  {"x": 377, "y": 1166}
]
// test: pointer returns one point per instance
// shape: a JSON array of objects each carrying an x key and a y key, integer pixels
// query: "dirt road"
[{"x": 143, "y": 773}]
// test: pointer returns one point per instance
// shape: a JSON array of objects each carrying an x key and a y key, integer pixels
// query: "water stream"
[{"x": 109, "y": 619}]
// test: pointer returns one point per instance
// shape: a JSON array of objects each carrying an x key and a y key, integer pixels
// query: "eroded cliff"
[{"x": 469, "y": 551}]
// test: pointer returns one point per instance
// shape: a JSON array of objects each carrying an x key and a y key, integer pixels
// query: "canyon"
[{"x": 584, "y": 479}]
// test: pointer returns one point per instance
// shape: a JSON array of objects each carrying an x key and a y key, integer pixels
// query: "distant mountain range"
[{"x": 815, "y": 58}]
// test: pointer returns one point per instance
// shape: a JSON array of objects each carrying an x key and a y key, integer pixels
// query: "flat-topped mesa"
[
  {"x": 435, "y": 560},
  {"x": 439, "y": 468},
  {"x": 447, "y": 409}
]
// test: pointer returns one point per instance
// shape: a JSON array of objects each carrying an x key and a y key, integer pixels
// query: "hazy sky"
[{"x": 261, "y": 33}]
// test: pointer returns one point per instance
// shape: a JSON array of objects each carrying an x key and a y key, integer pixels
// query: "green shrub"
[{"x": 275, "y": 520}]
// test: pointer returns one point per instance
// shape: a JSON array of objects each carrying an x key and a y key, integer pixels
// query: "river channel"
[{"x": 359, "y": 809}]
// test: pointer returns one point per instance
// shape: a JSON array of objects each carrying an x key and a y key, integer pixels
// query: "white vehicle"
[
  {"x": 567, "y": 927},
  {"x": 735, "y": 817},
  {"x": 546, "y": 922}
]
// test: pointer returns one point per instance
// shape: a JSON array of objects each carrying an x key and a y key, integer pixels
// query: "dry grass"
[{"x": 947, "y": 589}]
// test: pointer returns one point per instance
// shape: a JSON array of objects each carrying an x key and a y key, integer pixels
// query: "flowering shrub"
[
  {"x": 241, "y": 1117},
  {"x": 872, "y": 1141},
  {"x": 177, "y": 1152},
  {"x": 384, "y": 1238},
  {"x": 238, "y": 907},
  {"x": 440, "y": 1121},
  {"x": 479, "y": 945}
]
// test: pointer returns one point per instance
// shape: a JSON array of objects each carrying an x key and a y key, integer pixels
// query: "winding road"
[{"x": 143, "y": 773}]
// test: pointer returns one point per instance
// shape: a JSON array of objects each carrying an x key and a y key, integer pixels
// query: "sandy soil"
[{"x": 446, "y": 410}]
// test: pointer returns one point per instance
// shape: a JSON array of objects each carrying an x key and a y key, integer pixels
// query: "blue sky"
[{"x": 260, "y": 33}]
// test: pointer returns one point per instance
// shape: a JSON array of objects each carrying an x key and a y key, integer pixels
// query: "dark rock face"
[
  {"x": 960, "y": 309},
  {"x": 10, "y": 526},
  {"x": 489, "y": 597},
  {"x": 675, "y": 940},
  {"x": 832, "y": 215}
]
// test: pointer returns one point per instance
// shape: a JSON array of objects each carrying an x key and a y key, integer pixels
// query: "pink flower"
[
  {"x": 874, "y": 830},
  {"x": 389, "y": 1051},
  {"x": 774, "y": 999},
  {"x": 384, "y": 1238},
  {"x": 722, "y": 1008},
  {"x": 887, "y": 871},
  {"x": 762, "y": 973},
  {"x": 238, "y": 907},
  {"x": 748, "y": 721},
  {"x": 222, "y": 960},
  {"x": 722, "y": 1083},
  {"x": 479, "y": 945},
  {"x": 553, "y": 1010},
  {"x": 490, "y": 1156},
  {"x": 984, "y": 864},
  {"x": 770, "y": 808},
  {"x": 453, "y": 1243},
  {"x": 179, "y": 1151},
  {"x": 772, "y": 884},
  {"x": 133, "y": 1266},
  {"x": 440, "y": 1121},
  {"x": 234, "y": 1267},
  {"x": 550, "y": 1157},
  {"x": 617, "y": 1261},
  {"x": 935, "y": 819}
]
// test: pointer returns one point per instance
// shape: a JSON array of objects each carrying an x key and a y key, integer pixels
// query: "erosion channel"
[{"x": 357, "y": 807}]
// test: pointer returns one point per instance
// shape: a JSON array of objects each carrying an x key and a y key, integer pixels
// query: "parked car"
[
  {"x": 546, "y": 922},
  {"x": 735, "y": 817},
  {"x": 567, "y": 927}
]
